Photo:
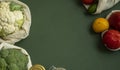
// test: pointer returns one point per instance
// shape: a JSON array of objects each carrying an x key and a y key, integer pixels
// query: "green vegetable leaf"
[
  {"x": 2, "y": 33},
  {"x": 20, "y": 22},
  {"x": 92, "y": 8},
  {"x": 14, "y": 6}
]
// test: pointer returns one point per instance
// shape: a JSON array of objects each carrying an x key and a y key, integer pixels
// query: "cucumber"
[{"x": 92, "y": 8}]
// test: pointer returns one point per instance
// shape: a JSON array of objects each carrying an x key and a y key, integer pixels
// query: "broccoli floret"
[
  {"x": 4, "y": 53},
  {"x": 10, "y": 59},
  {"x": 13, "y": 66},
  {"x": 3, "y": 64}
]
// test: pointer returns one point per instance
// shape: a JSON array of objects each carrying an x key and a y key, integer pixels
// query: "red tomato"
[
  {"x": 87, "y": 2},
  {"x": 114, "y": 20}
]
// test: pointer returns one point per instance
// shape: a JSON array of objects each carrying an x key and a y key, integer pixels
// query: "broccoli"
[
  {"x": 10, "y": 59},
  {"x": 3, "y": 64},
  {"x": 13, "y": 59},
  {"x": 13, "y": 66},
  {"x": 4, "y": 53}
]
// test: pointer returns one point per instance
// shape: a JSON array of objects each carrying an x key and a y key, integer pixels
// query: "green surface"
[{"x": 61, "y": 35}]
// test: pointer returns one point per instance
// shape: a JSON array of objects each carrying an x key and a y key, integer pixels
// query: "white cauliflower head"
[
  {"x": 15, "y": 21},
  {"x": 10, "y": 21}
]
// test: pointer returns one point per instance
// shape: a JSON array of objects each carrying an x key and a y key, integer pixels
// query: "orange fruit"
[{"x": 100, "y": 25}]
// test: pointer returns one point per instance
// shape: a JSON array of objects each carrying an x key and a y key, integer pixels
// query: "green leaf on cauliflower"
[
  {"x": 20, "y": 22},
  {"x": 3, "y": 33},
  {"x": 14, "y": 6}
]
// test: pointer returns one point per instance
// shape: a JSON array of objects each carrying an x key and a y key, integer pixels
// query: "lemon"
[
  {"x": 37, "y": 67},
  {"x": 100, "y": 25}
]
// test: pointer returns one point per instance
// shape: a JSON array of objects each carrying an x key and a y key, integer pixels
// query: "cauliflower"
[
  {"x": 15, "y": 21},
  {"x": 11, "y": 18}
]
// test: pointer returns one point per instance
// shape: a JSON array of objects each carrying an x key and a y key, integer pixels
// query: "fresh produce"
[
  {"x": 102, "y": 5},
  {"x": 100, "y": 25},
  {"x": 37, "y": 67},
  {"x": 91, "y": 5},
  {"x": 13, "y": 59},
  {"x": 110, "y": 28},
  {"x": 87, "y": 2},
  {"x": 114, "y": 20},
  {"x": 3, "y": 64},
  {"x": 92, "y": 8},
  {"x": 15, "y": 7},
  {"x": 15, "y": 21},
  {"x": 111, "y": 39},
  {"x": 11, "y": 18}
]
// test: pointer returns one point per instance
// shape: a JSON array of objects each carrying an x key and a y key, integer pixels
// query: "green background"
[{"x": 61, "y": 35}]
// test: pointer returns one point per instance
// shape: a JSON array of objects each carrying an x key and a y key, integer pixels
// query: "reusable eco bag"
[
  {"x": 103, "y": 5},
  {"x": 24, "y": 31},
  {"x": 9, "y": 46}
]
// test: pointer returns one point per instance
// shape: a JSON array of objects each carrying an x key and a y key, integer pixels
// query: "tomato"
[
  {"x": 114, "y": 20},
  {"x": 87, "y": 2}
]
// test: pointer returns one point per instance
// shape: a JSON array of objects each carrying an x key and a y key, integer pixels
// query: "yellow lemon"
[
  {"x": 100, "y": 25},
  {"x": 37, "y": 67}
]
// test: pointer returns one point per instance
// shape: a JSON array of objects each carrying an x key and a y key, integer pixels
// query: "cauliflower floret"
[
  {"x": 8, "y": 29},
  {"x": 18, "y": 15},
  {"x": 9, "y": 19},
  {"x": 4, "y": 5},
  {"x": 3, "y": 15},
  {"x": 0, "y": 28}
]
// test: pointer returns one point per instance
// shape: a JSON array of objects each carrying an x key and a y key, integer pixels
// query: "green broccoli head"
[{"x": 13, "y": 59}]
